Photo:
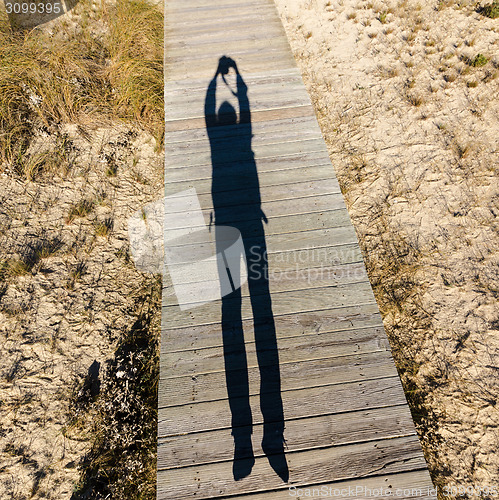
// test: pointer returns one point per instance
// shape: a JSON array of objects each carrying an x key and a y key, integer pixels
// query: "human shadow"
[{"x": 237, "y": 203}]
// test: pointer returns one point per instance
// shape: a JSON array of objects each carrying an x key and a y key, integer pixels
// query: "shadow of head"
[{"x": 227, "y": 114}]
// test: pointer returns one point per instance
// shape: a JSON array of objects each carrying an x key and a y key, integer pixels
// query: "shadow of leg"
[
  {"x": 243, "y": 455},
  {"x": 236, "y": 376},
  {"x": 268, "y": 357},
  {"x": 273, "y": 447}
]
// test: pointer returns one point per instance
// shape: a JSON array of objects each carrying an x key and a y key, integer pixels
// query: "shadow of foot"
[
  {"x": 273, "y": 447},
  {"x": 243, "y": 457}
]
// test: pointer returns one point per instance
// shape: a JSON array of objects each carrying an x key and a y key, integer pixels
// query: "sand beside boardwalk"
[
  {"x": 411, "y": 120},
  {"x": 69, "y": 310}
]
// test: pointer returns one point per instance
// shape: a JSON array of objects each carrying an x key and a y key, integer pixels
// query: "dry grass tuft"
[
  {"x": 70, "y": 76},
  {"x": 104, "y": 227},
  {"x": 135, "y": 46},
  {"x": 80, "y": 209}
]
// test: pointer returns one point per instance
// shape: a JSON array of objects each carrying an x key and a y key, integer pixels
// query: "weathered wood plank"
[
  {"x": 341, "y": 462},
  {"x": 269, "y": 180},
  {"x": 300, "y": 301},
  {"x": 176, "y": 12},
  {"x": 291, "y": 349},
  {"x": 300, "y": 252},
  {"x": 203, "y": 386},
  {"x": 301, "y": 434},
  {"x": 258, "y": 60},
  {"x": 212, "y": 26},
  {"x": 257, "y": 117},
  {"x": 282, "y": 279},
  {"x": 287, "y": 187},
  {"x": 310, "y": 244},
  {"x": 182, "y": 169},
  {"x": 272, "y": 209},
  {"x": 264, "y": 54},
  {"x": 222, "y": 5},
  {"x": 348, "y": 318},
  {"x": 299, "y": 403},
  {"x": 253, "y": 79},
  {"x": 205, "y": 21},
  {"x": 202, "y": 40},
  {"x": 414, "y": 484},
  {"x": 273, "y": 150},
  {"x": 287, "y": 94}
]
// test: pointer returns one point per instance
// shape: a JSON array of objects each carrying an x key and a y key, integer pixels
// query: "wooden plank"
[
  {"x": 300, "y": 301},
  {"x": 301, "y": 434},
  {"x": 182, "y": 169},
  {"x": 299, "y": 403},
  {"x": 287, "y": 186},
  {"x": 266, "y": 50},
  {"x": 203, "y": 39},
  {"x": 257, "y": 60},
  {"x": 414, "y": 484},
  {"x": 176, "y": 11},
  {"x": 302, "y": 348},
  {"x": 202, "y": 386},
  {"x": 300, "y": 252},
  {"x": 259, "y": 85},
  {"x": 257, "y": 117},
  {"x": 253, "y": 79},
  {"x": 286, "y": 240},
  {"x": 341, "y": 319},
  {"x": 278, "y": 208},
  {"x": 205, "y": 19},
  {"x": 222, "y": 5},
  {"x": 277, "y": 151},
  {"x": 212, "y": 26},
  {"x": 267, "y": 132},
  {"x": 287, "y": 94},
  {"x": 342, "y": 462},
  {"x": 308, "y": 175},
  {"x": 283, "y": 279},
  {"x": 244, "y": 211}
]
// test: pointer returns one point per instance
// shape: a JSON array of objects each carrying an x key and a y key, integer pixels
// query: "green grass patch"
[
  {"x": 478, "y": 61},
  {"x": 491, "y": 10}
]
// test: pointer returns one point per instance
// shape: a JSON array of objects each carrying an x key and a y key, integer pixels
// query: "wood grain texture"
[
  {"x": 349, "y": 318},
  {"x": 347, "y": 423},
  {"x": 301, "y": 434},
  {"x": 405, "y": 485},
  {"x": 342, "y": 462},
  {"x": 298, "y": 403},
  {"x": 206, "y": 386}
]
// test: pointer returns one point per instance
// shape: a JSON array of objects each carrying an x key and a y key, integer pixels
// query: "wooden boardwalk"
[{"x": 347, "y": 423}]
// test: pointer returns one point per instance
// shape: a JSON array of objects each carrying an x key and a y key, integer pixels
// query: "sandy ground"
[
  {"x": 411, "y": 120},
  {"x": 67, "y": 311}
]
